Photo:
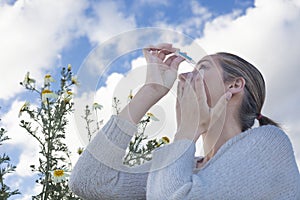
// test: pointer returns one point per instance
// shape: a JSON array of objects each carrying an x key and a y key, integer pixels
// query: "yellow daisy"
[
  {"x": 97, "y": 106},
  {"x": 130, "y": 96},
  {"x": 27, "y": 80},
  {"x": 151, "y": 116},
  {"x": 80, "y": 150},
  {"x": 74, "y": 80},
  {"x": 69, "y": 67},
  {"x": 67, "y": 96},
  {"x": 48, "y": 94},
  {"x": 165, "y": 140},
  {"x": 48, "y": 78},
  {"x": 23, "y": 108},
  {"x": 59, "y": 175}
]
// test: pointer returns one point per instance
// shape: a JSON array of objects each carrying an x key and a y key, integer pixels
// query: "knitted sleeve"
[{"x": 171, "y": 171}]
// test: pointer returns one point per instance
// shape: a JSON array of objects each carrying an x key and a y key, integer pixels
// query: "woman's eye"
[{"x": 202, "y": 67}]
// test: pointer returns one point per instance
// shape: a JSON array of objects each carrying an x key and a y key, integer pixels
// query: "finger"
[
  {"x": 200, "y": 89},
  {"x": 164, "y": 52},
  {"x": 174, "y": 61},
  {"x": 183, "y": 76},
  {"x": 178, "y": 113},
  {"x": 154, "y": 53},
  {"x": 164, "y": 46},
  {"x": 187, "y": 87},
  {"x": 221, "y": 105},
  {"x": 180, "y": 89},
  {"x": 178, "y": 100},
  {"x": 146, "y": 51},
  {"x": 170, "y": 59}
]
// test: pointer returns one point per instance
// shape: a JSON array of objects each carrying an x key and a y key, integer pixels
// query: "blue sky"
[{"x": 41, "y": 36}]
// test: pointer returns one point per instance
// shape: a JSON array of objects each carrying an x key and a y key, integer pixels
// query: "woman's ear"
[{"x": 237, "y": 85}]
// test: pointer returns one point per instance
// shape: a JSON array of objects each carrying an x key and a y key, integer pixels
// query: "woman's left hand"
[
  {"x": 194, "y": 116},
  {"x": 161, "y": 68}
]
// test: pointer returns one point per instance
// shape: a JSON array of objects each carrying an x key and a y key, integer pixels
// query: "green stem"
[{"x": 48, "y": 154}]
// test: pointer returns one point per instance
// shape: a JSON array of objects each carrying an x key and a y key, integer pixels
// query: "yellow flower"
[
  {"x": 48, "y": 94},
  {"x": 97, "y": 106},
  {"x": 69, "y": 67},
  {"x": 69, "y": 92},
  {"x": 48, "y": 78},
  {"x": 165, "y": 140},
  {"x": 23, "y": 108},
  {"x": 151, "y": 116},
  {"x": 74, "y": 80},
  {"x": 80, "y": 150},
  {"x": 28, "y": 80},
  {"x": 59, "y": 175},
  {"x": 67, "y": 96},
  {"x": 130, "y": 96}
]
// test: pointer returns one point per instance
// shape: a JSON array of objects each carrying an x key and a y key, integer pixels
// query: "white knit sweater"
[{"x": 256, "y": 164}]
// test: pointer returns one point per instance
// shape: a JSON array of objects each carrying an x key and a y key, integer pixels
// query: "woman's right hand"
[
  {"x": 161, "y": 70},
  {"x": 161, "y": 75}
]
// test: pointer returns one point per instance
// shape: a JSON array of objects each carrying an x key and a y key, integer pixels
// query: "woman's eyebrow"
[{"x": 203, "y": 62}]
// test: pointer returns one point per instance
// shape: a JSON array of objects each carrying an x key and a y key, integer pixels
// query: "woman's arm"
[{"x": 99, "y": 172}]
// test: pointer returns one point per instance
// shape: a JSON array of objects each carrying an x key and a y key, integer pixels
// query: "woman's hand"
[
  {"x": 161, "y": 71},
  {"x": 194, "y": 116},
  {"x": 161, "y": 74}
]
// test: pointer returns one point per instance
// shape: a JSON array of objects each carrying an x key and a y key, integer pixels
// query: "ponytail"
[{"x": 263, "y": 120}]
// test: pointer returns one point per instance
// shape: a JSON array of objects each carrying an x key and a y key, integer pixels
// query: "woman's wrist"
[
  {"x": 145, "y": 98},
  {"x": 184, "y": 135}
]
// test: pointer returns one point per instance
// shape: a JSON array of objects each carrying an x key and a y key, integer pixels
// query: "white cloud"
[
  {"x": 107, "y": 21},
  {"x": 103, "y": 96},
  {"x": 32, "y": 34},
  {"x": 154, "y": 2},
  {"x": 190, "y": 25},
  {"x": 21, "y": 142}
]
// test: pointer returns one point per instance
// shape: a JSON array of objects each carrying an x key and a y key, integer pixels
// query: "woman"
[{"x": 219, "y": 100}]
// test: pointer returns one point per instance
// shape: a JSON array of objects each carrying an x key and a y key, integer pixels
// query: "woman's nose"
[{"x": 184, "y": 76}]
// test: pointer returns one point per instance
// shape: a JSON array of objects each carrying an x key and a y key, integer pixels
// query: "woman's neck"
[{"x": 223, "y": 130}]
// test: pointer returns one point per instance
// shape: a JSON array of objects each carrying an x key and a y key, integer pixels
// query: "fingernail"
[{"x": 198, "y": 75}]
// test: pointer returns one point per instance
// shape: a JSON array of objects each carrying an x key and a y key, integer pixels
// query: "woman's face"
[{"x": 212, "y": 77}]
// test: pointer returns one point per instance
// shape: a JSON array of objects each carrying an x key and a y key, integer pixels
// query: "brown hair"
[{"x": 233, "y": 66}]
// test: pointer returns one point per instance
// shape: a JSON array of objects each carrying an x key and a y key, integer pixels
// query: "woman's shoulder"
[
  {"x": 267, "y": 139},
  {"x": 270, "y": 133},
  {"x": 271, "y": 140},
  {"x": 262, "y": 135}
]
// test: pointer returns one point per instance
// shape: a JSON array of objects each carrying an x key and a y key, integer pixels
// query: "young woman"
[{"x": 219, "y": 100}]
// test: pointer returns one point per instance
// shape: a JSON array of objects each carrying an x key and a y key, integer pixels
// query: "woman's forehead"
[{"x": 209, "y": 59}]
